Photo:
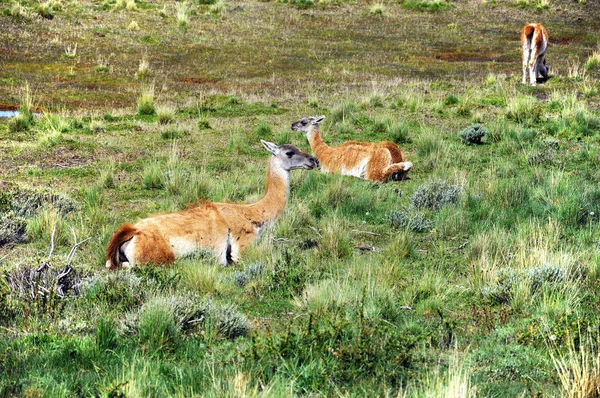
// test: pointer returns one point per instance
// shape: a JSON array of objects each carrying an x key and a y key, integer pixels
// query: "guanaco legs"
[
  {"x": 381, "y": 161},
  {"x": 534, "y": 41},
  {"x": 225, "y": 228}
]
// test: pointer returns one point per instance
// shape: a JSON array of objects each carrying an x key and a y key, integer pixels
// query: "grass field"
[{"x": 478, "y": 277}]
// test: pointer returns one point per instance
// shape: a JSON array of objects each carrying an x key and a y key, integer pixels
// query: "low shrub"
[
  {"x": 435, "y": 195},
  {"x": 472, "y": 135},
  {"x": 506, "y": 280},
  {"x": 406, "y": 219}
]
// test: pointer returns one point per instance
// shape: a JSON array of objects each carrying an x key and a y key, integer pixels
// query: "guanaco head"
[
  {"x": 307, "y": 124},
  {"x": 290, "y": 157},
  {"x": 543, "y": 69}
]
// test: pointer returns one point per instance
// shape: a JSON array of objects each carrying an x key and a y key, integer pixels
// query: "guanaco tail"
[
  {"x": 381, "y": 161},
  {"x": 534, "y": 41},
  {"x": 225, "y": 228}
]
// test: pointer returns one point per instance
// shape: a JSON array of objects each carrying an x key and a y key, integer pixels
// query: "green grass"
[{"x": 478, "y": 276}]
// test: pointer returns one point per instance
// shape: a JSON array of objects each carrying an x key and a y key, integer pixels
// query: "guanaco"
[
  {"x": 225, "y": 228},
  {"x": 534, "y": 41},
  {"x": 381, "y": 161}
]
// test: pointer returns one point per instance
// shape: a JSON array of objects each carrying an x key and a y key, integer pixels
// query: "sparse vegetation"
[
  {"x": 145, "y": 102},
  {"x": 478, "y": 276}
]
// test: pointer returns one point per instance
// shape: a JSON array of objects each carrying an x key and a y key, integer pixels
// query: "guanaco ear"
[
  {"x": 270, "y": 146},
  {"x": 318, "y": 119}
]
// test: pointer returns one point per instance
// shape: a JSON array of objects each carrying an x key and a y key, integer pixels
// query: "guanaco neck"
[
  {"x": 277, "y": 191},
  {"x": 317, "y": 144}
]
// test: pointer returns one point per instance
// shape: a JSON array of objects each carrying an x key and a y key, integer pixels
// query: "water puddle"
[
  {"x": 7, "y": 111},
  {"x": 5, "y": 114}
]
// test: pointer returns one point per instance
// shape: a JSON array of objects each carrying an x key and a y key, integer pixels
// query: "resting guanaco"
[
  {"x": 534, "y": 41},
  {"x": 225, "y": 228},
  {"x": 381, "y": 161}
]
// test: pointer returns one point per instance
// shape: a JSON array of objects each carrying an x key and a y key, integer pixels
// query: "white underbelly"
[
  {"x": 360, "y": 170},
  {"x": 182, "y": 246}
]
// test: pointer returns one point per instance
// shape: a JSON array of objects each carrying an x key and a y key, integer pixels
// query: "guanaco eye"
[{"x": 289, "y": 154}]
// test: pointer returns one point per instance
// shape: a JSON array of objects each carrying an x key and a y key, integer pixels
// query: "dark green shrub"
[
  {"x": 298, "y": 3},
  {"x": 324, "y": 351},
  {"x": 450, "y": 100}
]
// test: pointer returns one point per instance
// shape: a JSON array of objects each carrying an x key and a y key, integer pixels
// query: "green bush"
[
  {"x": 324, "y": 352},
  {"x": 450, "y": 100},
  {"x": 298, "y": 3}
]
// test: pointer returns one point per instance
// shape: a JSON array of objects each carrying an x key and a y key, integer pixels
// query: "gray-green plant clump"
[
  {"x": 435, "y": 195},
  {"x": 405, "y": 218},
  {"x": 21, "y": 203},
  {"x": 506, "y": 280},
  {"x": 472, "y": 135}
]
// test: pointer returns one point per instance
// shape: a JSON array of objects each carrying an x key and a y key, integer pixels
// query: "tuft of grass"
[
  {"x": 400, "y": 246},
  {"x": 538, "y": 4},
  {"x": 427, "y": 5},
  {"x": 70, "y": 52},
  {"x": 451, "y": 100},
  {"x": 524, "y": 109},
  {"x": 106, "y": 334},
  {"x": 377, "y": 9},
  {"x": 24, "y": 119},
  {"x": 17, "y": 11},
  {"x": 182, "y": 15},
  {"x": 334, "y": 241},
  {"x": 203, "y": 122},
  {"x": 107, "y": 176},
  {"x": 45, "y": 10},
  {"x": 399, "y": 133},
  {"x": 158, "y": 329},
  {"x": 133, "y": 25},
  {"x": 165, "y": 114},
  {"x": 145, "y": 102},
  {"x": 263, "y": 130},
  {"x": 578, "y": 366},
  {"x": 342, "y": 112},
  {"x": 130, "y": 5},
  {"x": 217, "y": 8},
  {"x": 153, "y": 177},
  {"x": 173, "y": 132},
  {"x": 40, "y": 227},
  {"x": 592, "y": 65},
  {"x": 102, "y": 65}
]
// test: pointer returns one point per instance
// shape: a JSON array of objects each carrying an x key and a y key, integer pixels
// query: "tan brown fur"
[
  {"x": 534, "y": 41},
  {"x": 225, "y": 228},
  {"x": 381, "y": 161}
]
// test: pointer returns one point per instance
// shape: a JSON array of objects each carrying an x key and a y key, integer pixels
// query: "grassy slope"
[{"x": 510, "y": 264}]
